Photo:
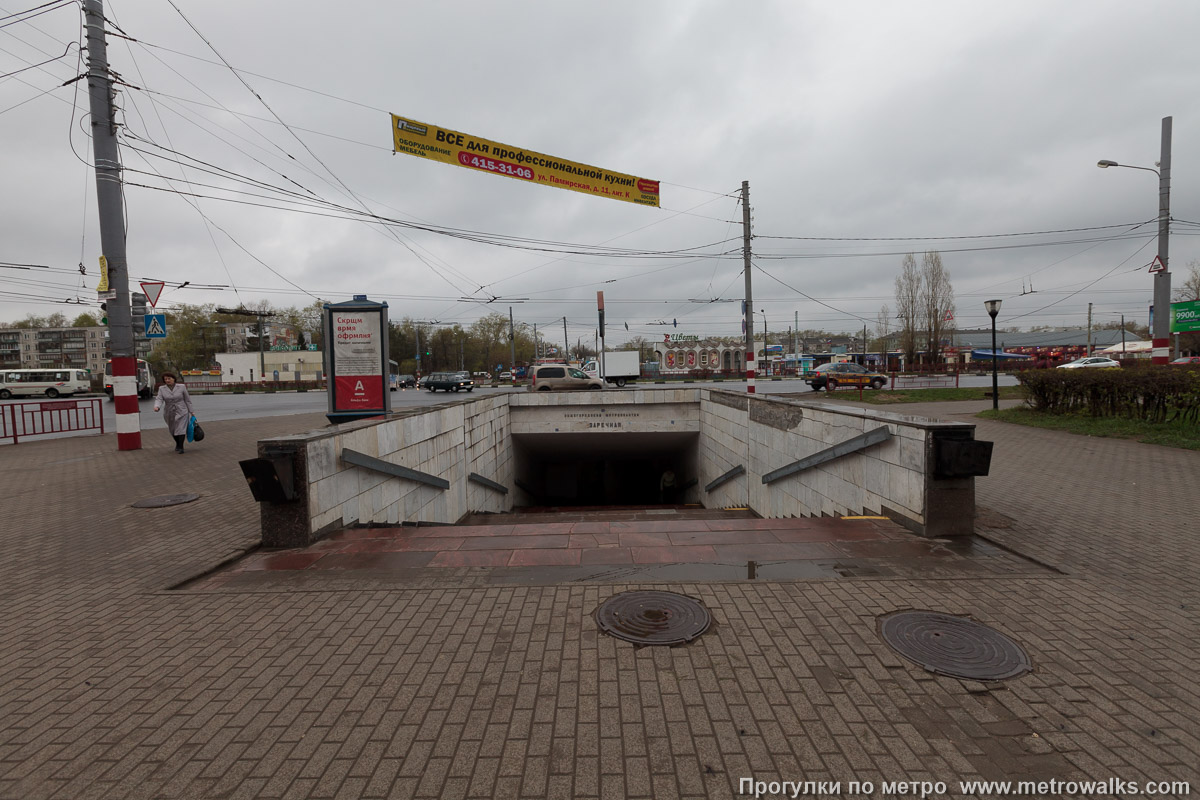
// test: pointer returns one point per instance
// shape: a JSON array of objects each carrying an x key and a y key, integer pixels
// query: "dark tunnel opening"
[{"x": 606, "y": 469}]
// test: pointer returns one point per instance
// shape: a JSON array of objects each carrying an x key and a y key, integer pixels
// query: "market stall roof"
[
  {"x": 1130, "y": 348},
  {"x": 988, "y": 354}
]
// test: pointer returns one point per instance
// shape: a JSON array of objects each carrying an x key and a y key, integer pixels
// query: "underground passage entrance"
[{"x": 606, "y": 469}]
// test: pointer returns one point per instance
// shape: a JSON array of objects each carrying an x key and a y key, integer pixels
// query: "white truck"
[{"x": 619, "y": 368}]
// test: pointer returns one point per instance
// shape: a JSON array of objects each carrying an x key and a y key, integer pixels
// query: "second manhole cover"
[
  {"x": 653, "y": 618},
  {"x": 164, "y": 500},
  {"x": 954, "y": 646}
]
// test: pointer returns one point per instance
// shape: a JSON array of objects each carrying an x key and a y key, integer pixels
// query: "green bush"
[{"x": 1154, "y": 393}]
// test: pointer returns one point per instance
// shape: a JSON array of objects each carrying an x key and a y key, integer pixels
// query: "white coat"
[{"x": 176, "y": 406}]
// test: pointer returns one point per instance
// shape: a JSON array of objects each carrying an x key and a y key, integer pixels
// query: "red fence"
[
  {"x": 924, "y": 380},
  {"x": 23, "y": 420},
  {"x": 195, "y": 386}
]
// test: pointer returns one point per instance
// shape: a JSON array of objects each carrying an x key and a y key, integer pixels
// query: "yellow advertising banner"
[
  {"x": 472, "y": 152},
  {"x": 103, "y": 287}
]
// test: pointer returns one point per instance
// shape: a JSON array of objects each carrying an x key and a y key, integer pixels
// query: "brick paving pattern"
[{"x": 116, "y": 686}]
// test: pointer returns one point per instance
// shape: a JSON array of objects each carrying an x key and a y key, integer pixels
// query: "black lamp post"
[{"x": 993, "y": 308}]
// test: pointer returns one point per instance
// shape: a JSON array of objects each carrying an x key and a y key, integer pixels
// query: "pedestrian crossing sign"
[{"x": 156, "y": 326}]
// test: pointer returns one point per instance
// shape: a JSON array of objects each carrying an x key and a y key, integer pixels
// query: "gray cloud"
[{"x": 871, "y": 120}]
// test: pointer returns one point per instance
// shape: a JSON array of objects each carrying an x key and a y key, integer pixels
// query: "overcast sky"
[{"x": 849, "y": 120}]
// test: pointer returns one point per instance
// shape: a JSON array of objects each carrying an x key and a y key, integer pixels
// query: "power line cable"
[
  {"x": 194, "y": 204},
  {"x": 606, "y": 241},
  {"x": 40, "y": 64},
  {"x": 810, "y": 256},
  {"x": 949, "y": 238},
  {"x": 810, "y": 297},
  {"x": 1102, "y": 277},
  {"x": 28, "y": 10},
  {"x": 307, "y": 149},
  {"x": 56, "y": 6}
]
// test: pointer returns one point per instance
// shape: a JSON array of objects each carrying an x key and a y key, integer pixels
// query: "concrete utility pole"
[
  {"x": 1089, "y": 347},
  {"x": 417, "y": 333},
  {"x": 1161, "y": 324},
  {"x": 600, "y": 310},
  {"x": 112, "y": 230},
  {"x": 566, "y": 343},
  {"x": 796, "y": 330},
  {"x": 1162, "y": 280},
  {"x": 748, "y": 315},
  {"x": 512, "y": 348}
]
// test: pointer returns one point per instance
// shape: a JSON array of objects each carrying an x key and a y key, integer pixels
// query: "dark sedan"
[
  {"x": 449, "y": 382},
  {"x": 831, "y": 376}
]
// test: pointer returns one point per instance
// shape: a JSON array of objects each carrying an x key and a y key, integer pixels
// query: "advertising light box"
[{"x": 357, "y": 359}]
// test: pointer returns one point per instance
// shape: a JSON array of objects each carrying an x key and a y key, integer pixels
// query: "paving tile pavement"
[{"x": 114, "y": 686}]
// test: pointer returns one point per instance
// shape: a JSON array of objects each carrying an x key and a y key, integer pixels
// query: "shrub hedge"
[{"x": 1155, "y": 393}]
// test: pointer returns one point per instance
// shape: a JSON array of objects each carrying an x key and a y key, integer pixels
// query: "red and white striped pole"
[
  {"x": 112, "y": 231},
  {"x": 125, "y": 402}
]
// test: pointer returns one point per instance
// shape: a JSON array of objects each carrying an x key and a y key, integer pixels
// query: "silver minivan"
[{"x": 560, "y": 377}]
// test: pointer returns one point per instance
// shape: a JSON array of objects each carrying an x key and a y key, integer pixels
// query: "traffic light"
[{"x": 104, "y": 311}]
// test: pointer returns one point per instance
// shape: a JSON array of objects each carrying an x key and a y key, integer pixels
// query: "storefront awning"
[{"x": 986, "y": 355}]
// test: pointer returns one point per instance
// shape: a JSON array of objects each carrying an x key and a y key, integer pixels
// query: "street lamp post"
[
  {"x": 993, "y": 308},
  {"x": 1162, "y": 279}
]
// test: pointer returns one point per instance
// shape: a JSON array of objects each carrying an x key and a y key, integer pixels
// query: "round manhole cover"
[
  {"x": 653, "y": 618},
  {"x": 954, "y": 646},
  {"x": 164, "y": 500}
]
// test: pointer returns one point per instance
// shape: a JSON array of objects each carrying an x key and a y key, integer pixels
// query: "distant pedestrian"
[
  {"x": 666, "y": 487},
  {"x": 176, "y": 404}
]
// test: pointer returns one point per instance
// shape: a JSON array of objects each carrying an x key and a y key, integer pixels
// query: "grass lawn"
[
  {"x": 1168, "y": 434},
  {"x": 884, "y": 397}
]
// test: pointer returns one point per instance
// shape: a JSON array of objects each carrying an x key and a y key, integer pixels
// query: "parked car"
[
  {"x": 1187, "y": 360},
  {"x": 561, "y": 377},
  {"x": 1092, "y": 361},
  {"x": 481, "y": 376},
  {"x": 449, "y": 382},
  {"x": 844, "y": 374},
  {"x": 506, "y": 376}
]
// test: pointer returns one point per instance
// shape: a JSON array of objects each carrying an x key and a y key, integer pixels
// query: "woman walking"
[{"x": 176, "y": 404}]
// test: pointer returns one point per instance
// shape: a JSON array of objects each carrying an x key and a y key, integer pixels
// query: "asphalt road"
[{"x": 215, "y": 407}]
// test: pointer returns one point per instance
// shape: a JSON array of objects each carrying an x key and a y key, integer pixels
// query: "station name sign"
[{"x": 466, "y": 150}]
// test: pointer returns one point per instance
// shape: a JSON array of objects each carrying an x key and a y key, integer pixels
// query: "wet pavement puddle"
[{"x": 615, "y": 546}]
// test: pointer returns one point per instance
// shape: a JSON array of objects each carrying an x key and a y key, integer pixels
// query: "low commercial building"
[{"x": 278, "y": 365}]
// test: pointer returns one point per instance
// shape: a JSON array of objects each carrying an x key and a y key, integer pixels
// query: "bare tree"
[
  {"x": 937, "y": 303},
  {"x": 883, "y": 327},
  {"x": 908, "y": 307},
  {"x": 1190, "y": 288}
]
